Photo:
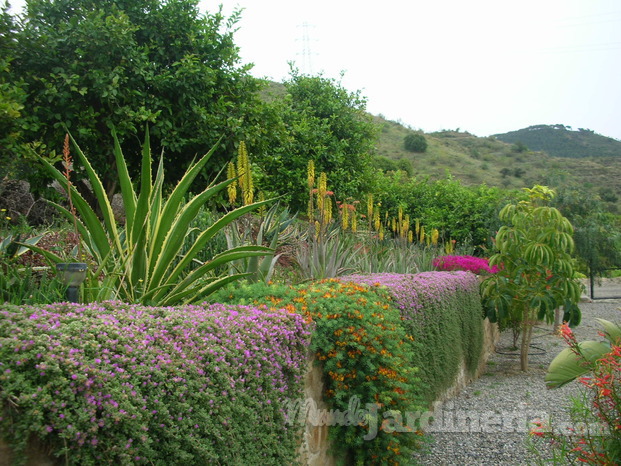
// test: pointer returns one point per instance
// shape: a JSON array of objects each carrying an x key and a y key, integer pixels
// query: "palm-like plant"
[{"x": 146, "y": 261}]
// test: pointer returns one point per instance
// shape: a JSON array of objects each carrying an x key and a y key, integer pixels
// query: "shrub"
[
  {"x": 122, "y": 383},
  {"x": 415, "y": 142},
  {"x": 442, "y": 312},
  {"x": 366, "y": 354},
  {"x": 478, "y": 265}
]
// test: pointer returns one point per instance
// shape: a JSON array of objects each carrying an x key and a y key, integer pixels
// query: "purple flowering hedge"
[
  {"x": 112, "y": 382},
  {"x": 443, "y": 313}
]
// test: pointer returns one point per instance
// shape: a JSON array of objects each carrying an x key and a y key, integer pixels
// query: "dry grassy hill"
[{"x": 476, "y": 160}]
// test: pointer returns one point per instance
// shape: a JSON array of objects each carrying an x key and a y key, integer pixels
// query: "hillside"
[
  {"x": 488, "y": 160},
  {"x": 562, "y": 141}
]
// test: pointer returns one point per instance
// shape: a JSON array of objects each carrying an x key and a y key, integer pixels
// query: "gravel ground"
[{"x": 487, "y": 423}]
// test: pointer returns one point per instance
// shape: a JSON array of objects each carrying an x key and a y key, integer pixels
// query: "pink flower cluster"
[
  {"x": 478, "y": 265},
  {"x": 128, "y": 381}
]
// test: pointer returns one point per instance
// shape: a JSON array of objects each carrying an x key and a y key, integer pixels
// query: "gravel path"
[{"x": 487, "y": 423}]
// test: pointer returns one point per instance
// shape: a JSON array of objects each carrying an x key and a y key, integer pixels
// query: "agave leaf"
[
  {"x": 567, "y": 366},
  {"x": 127, "y": 190},
  {"x": 209, "y": 233},
  {"x": 189, "y": 295},
  {"x": 102, "y": 198},
  {"x": 87, "y": 214},
  {"x": 172, "y": 205},
  {"x": 49, "y": 255},
  {"x": 174, "y": 239},
  {"x": 221, "y": 259}
]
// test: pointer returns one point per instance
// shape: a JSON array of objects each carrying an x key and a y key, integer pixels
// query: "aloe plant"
[
  {"x": 272, "y": 230},
  {"x": 146, "y": 261}
]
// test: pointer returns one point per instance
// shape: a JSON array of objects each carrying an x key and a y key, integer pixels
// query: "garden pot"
[{"x": 73, "y": 273}]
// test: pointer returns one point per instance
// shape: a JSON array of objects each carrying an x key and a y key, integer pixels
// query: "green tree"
[
  {"x": 596, "y": 231},
  {"x": 91, "y": 65},
  {"x": 415, "y": 142},
  {"x": 12, "y": 97},
  {"x": 321, "y": 121},
  {"x": 536, "y": 275}
]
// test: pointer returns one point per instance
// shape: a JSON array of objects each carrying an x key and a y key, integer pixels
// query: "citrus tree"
[{"x": 536, "y": 276}]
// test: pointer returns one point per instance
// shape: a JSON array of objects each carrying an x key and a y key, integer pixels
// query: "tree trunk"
[
  {"x": 558, "y": 319},
  {"x": 527, "y": 333}
]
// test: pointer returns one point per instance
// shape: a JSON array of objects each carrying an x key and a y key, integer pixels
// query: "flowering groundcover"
[
  {"x": 113, "y": 382},
  {"x": 442, "y": 311}
]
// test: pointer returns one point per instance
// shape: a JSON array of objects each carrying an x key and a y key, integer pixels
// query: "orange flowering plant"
[
  {"x": 594, "y": 436},
  {"x": 366, "y": 355}
]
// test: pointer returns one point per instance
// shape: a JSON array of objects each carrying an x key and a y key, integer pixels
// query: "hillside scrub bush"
[
  {"x": 477, "y": 265},
  {"x": 442, "y": 312},
  {"x": 366, "y": 354},
  {"x": 116, "y": 383},
  {"x": 415, "y": 142}
]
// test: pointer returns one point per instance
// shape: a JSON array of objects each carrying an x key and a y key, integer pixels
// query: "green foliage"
[
  {"x": 12, "y": 96},
  {"x": 465, "y": 214},
  {"x": 366, "y": 354},
  {"x": 142, "y": 263},
  {"x": 415, "y": 142},
  {"x": 536, "y": 274},
  {"x": 89, "y": 66},
  {"x": 320, "y": 121},
  {"x": 596, "y": 232},
  {"x": 112, "y": 383}
]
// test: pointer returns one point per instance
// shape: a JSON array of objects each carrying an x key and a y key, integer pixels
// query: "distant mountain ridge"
[{"x": 563, "y": 141}]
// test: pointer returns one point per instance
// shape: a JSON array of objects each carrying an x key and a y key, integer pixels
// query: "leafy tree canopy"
[
  {"x": 92, "y": 65},
  {"x": 319, "y": 120}
]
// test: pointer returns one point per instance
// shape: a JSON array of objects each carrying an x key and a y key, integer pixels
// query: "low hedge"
[
  {"x": 442, "y": 311},
  {"x": 215, "y": 384},
  {"x": 111, "y": 382},
  {"x": 367, "y": 358}
]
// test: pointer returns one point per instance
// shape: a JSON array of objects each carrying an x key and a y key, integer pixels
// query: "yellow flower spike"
[
  {"x": 435, "y": 234},
  {"x": 417, "y": 227},
  {"x": 354, "y": 224},
  {"x": 344, "y": 217},
  {"x": 410, "y": 236},
  {"x": 245, "y": 173},
  {"x": 317, "y": 229},
  {"x": 422, "y": 235},
  {"x": 310, "y": 174},
  {"x": 381, "y": 233},
  {"x": 232, "y": 188}
]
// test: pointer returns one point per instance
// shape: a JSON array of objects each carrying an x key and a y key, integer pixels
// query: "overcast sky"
[{"x": 484, "y": 66}]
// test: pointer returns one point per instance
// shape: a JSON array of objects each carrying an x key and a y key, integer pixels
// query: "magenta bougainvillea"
[{"x": 478, "y": 265}]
